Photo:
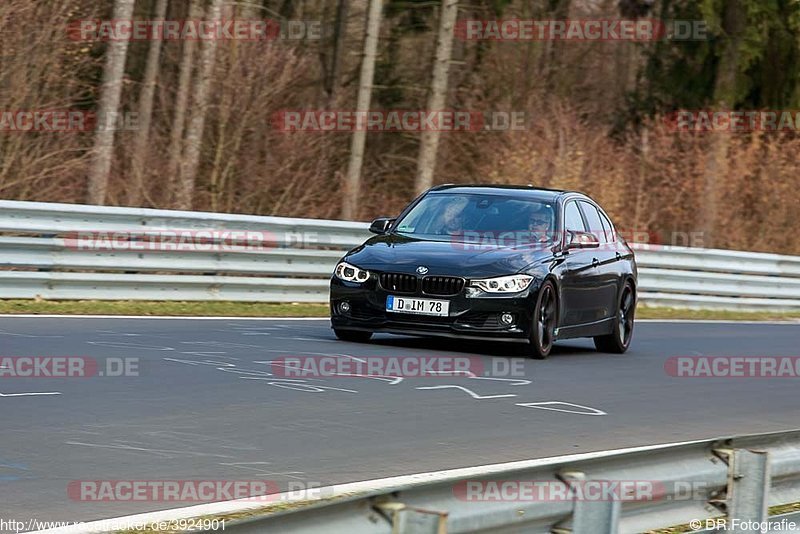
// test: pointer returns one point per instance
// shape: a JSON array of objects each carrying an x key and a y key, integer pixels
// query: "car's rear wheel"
[
  {"x": 619, "y": 339},
  {"x": 356, "y": 336},
  {"x": 544, "y": 322}
]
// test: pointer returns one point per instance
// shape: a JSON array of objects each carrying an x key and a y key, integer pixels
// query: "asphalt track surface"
[{"x": 195, "y": 410}]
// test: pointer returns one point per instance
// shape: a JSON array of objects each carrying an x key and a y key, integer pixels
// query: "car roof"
[{"x": 495, "y": 189}]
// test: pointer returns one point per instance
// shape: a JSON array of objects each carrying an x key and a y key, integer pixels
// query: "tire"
[
  {"x": 355, "y": 336},
  {"x": 545, "y": 319},
  {"x": 618, "y": 341}
]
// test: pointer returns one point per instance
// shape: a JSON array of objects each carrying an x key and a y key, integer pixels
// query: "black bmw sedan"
[{"x": 502, "y": 263}]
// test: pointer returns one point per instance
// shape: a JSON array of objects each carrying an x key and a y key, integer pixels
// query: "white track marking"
[
  {"x": 30, "y": 394},
  {"x": 253, "y": 372},
  {"x": 467, "y": 374},
  {"x": 391, "y": 379},
  {"x": 124, "y": 345},
  {"x": 261, "y": 472},
  {"x": 13, "y": 334},
  {"x": 518, "y": 381},
  {"x": 276, "y": 379},
  {"x": 223, "y": 344},
  {"x": 312, "y": 353},
  {"x": 207, "y": 353},
  {"x": 549, "y": 405},
  {"x": 310, "y": 339},
  {"x": 127, "y": 446},
  {"x": 313, "y": 388},
  {"x": 212, "y": 363},
  {"x": 127, "y": 334},
  {"x": 470, "y": 392}
]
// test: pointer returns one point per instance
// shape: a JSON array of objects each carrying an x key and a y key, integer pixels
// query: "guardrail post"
[
  {"x": 748, "y": 487},
  {"x": 410, "y": 520},
  {"x": 590, "y": 516}
]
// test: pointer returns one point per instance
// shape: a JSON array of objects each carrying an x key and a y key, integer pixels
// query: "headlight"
[
  {"x": 350, "y": 273},
  {"x": 504, "y": 284}
]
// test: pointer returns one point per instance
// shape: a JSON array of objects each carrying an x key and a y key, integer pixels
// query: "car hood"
[{"x": 402, "y": 254}]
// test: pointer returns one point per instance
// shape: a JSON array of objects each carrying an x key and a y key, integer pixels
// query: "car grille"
[
  {"x": 481, "y": 320},
  {"x": 442, "y": 285},
  {"x": 399, "y": 283}
]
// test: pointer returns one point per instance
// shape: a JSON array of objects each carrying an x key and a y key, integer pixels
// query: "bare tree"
[
  {"x": 182, "y": 102},
  {"x": 733, "y": 24},
  {"x": 250, "y": 9},
  {"x": 332, "y": 70},
  {"x": 108, "y": 109},
  {"x": 140, "y": 146},
  {"x": 194, "y": 133},
  {"x": 353, "y": 179},
  {"x": 426, "y": 164}
]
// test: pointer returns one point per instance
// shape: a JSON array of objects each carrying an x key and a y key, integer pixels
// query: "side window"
[
  {"x": 609, "y": 228},
  {"x": 573, "y": 222},
  {"x": 593, "y": 219}
]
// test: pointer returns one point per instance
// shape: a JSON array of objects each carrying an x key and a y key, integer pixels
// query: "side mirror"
[
  {"x": 381, "y": 225},
  {"x": 582, "y": 240}
]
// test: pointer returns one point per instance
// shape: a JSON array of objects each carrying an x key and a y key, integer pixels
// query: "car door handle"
[
  {"x": 619, "y": 256},
  {"x": 595, "y": 262}
]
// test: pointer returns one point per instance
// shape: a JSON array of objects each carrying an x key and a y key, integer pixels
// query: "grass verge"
[
  {"x": 264, "y": 309},
  {"x": 167, "y": 308},
  {"x": 644, "y": 312}
]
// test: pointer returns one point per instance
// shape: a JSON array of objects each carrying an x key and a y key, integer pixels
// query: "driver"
[
  {"x": 539, "y": 224},
  {"x": 452, "y": 220}
]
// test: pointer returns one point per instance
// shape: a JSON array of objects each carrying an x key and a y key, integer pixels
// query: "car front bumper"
[{"x": 474, "y": 318}]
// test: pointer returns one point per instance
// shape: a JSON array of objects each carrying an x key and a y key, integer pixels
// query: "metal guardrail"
[
  {"x": 738, "y": 478},
  {"x": 39, "y": 258}
]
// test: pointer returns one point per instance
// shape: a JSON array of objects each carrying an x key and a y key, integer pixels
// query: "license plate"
[{"x": 438, "y": 308}]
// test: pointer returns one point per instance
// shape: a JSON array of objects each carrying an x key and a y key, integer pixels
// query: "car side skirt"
[{"x": 597, "y": 328}]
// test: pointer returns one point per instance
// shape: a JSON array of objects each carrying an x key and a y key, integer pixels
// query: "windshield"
[{"x": 473, "y": 216}]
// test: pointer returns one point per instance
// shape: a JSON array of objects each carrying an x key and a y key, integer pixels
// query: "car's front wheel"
[
  {"x": 544, "y": 322},
  {"x": 619, "y": 339},
  {"x": 356, "y": 336}
]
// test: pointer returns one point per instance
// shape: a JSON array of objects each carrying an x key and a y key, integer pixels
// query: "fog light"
[
  {"x": 507, "y": 319},
  {"x": 344, "y": 307}
]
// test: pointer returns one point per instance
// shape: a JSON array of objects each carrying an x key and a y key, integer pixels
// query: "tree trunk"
[
  {"x": 426, "y": 164},
  {"x": 552, "y": 57},
  {"x": 140, "y": 147},
  {"x": 194, "y": 134},
  {"x": 108, "y": 108},
  {"x": 340, "y": 28},
  {"x": 725, "y": 98},
  {"x": 250, "y": 9},
  {"x": 181, "y": 104},
  {"x": 353, "y": 179}
]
